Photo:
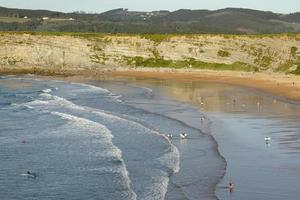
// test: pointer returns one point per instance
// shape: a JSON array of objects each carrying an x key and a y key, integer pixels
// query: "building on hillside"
[{"x": 45, "y": 18}]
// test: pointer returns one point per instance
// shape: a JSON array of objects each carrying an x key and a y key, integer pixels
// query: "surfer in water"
[{"x": 30, "y": 174}]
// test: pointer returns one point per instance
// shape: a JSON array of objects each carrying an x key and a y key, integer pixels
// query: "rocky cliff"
[{"x": 72, "y": 52}]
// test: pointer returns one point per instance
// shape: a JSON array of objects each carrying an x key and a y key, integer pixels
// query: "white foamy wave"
[
  {"x": 36, "y": 102},
  {"x": 112, "y": 152},
  {"x": 171, "y": 160},
  {"x": 157, "y": 190},
  {"x": 87, "y": 87},
  {"x": 112, "y": 118},
  {"x": 93, "y": 88},
  {"x": 85, "y": 124},
  {"x": 29, "y": 107},
  {"x": 149, "y": 90},
  {"x": 56, "y": 100},
  {"x": 66, "y": 103},
  {"x": 47, "y": 90},
  {"x": 110, "y": 169},
  {"x": 21, "y": 105},
  {"x": 46, "y": 95}
]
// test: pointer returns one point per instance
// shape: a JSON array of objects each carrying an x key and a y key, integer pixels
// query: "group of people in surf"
[{"x": 182, "y": 136}]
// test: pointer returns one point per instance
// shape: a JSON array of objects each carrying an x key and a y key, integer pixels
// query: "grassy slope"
[{"x": 13, "y": 19}]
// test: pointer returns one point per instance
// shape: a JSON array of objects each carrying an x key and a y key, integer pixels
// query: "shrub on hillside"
[{"x": 223, "y": 53}]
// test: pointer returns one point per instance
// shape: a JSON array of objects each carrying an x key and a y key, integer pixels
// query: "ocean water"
[
  {"x": 85, "y": 142},
  {"x": 240, "y": 118}
]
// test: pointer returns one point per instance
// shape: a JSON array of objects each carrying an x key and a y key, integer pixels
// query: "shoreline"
[
  {"x": 259, "y": 81},
  {"x": 164, "y": 75},
  {"x": 255, "y": 142},
  {"x": 184, "y": 184},
  {"x": 286, "y": 86},
  {"x": 202, "y": 145},
  {"x": 281, "y": 85}
]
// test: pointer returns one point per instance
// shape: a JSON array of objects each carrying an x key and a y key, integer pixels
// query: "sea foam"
[
  {"x": 47, "y": 90},
  {"x": 112, "y": 152},
  {"x": 170, "y": 159},
  {"x": 86, "y": 88}
]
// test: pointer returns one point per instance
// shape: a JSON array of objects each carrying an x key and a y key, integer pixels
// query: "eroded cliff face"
[
  {"x": 83, "y": 52},
  {"x": 37, "y": 51}
]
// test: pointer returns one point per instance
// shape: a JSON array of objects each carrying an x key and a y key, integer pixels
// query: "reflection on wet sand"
[
  {"x": 226, "y": 98},
  {"x": 212, "y": 98},
  {"x": 240, "y": 119}
]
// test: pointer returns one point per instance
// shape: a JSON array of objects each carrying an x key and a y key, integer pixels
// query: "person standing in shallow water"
[{"x": 230, "y": 186}]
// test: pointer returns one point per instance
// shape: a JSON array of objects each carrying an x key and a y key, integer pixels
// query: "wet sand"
[
  {"x": 239, "y": 118},
  {"x": 286, "y": 86}
]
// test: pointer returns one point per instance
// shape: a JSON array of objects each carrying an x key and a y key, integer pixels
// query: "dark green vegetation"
[
  {"x": 188, "y": 63},
  {"x": 229, "y": 20},
  {"x": 297, "y": 71},
  {"x": 294, "y": 61},
  {"x": 223, "y": 53}
]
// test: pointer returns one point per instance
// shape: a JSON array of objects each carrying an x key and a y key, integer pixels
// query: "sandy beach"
[
  {"x": 283, "y": 85},
  {"x": 286, "y": 86}
]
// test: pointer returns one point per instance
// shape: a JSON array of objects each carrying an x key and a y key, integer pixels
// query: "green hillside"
[{"x": 229, "y": 20}]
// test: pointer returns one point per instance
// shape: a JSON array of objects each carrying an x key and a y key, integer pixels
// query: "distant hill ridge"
[{"x": 228, "y": 20}]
